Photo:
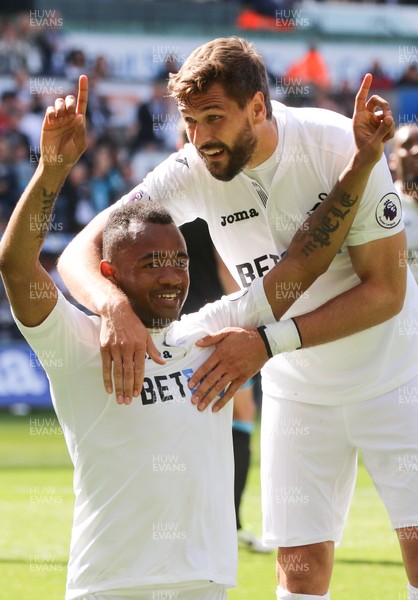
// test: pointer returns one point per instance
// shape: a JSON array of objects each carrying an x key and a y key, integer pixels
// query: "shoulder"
[
  {"x": 321, "y": 117},
  {"x": 314, "y": 125},
  {"x": 67, "y": 333},
  {"x": 311, "y": 115},
  {"x": 176, "y": 176},
  {"x": 183, "y": 162}
]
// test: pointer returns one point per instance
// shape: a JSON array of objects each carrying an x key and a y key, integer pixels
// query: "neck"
[{"x": 268, "y": 138}]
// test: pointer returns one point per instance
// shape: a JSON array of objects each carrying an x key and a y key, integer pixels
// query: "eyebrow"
[{"x": 210, "y": 107}]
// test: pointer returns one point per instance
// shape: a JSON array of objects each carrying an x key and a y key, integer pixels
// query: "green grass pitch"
[{"x": 36, "y": 504}]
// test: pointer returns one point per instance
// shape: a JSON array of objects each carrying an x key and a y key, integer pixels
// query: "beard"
[{"x": 238, "y": 155}]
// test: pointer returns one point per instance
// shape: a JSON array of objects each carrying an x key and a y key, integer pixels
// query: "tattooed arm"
[
  {"x": 240, "y": 353},
  {"x": 316, "y": 243},
  {"x": 30, "y": 290}
]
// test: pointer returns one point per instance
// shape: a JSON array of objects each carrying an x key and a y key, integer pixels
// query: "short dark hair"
[
  {"x": 233, "y": 62},
  {"x": 123, "y": 222}
]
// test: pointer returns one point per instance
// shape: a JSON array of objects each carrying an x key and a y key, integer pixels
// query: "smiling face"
[
  {"x": 223, "y": 133},
  {"x": 152, "y": 270}
]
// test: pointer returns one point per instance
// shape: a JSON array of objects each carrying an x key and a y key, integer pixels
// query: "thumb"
[
  {"x": 211, "y": 339},
  {"x": 153, "y": 352}
]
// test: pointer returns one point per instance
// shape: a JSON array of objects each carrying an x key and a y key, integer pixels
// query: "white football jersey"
[
  {"x": 153, "y": 481},
  {"x": 252, "y": 226}
]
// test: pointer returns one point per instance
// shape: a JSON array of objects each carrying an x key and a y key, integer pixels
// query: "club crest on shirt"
[{"x": 389, "y": 211}]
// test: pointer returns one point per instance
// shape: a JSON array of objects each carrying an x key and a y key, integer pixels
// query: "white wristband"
[{"x": 283, "y": 336}]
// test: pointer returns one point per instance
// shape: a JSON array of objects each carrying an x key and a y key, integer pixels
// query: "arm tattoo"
[
  {"x": 45, "y": 215},
  {"x": 320, "y": 234}
]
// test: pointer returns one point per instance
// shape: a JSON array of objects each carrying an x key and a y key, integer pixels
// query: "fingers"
[
  {"x": 118, "y": 378},
  {"x": 361, "y": 97},
  {"x": 233, "y": 362},
  {"x": 209, "y": 365},
  {"x": 63, "y": 107},
  {"x": 83, "y": 93},
  {"x": 107, "y": 370},
  {"x": 389, "y": 123},
  {"x": 386, "y": 129},
  {"x": 124, "y": 375},
  {"x": 375, "y": 104},
  {"x": 153, "y": 352},
  {"x": 70, "y": 105},
  {"x": 59, "y": 107},
  {"x": 127, "y": 377},
  {"x": 139, "y": 372},
  {"x": 210, "y": 388},
  {"x": 212, "y": 339},
  {"x": 49, "y": 114},
  {"x": 226, "y": 397},
  {"x": 139, "y": 365},
  {"x": 379, "y": 106}
]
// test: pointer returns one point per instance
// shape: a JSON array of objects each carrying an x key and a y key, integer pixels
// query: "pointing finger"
[
  {"x": 361, "y": 98},
  {"x": 83, "y": 93}
]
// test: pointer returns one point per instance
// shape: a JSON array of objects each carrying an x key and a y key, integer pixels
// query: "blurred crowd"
[{"x": 117, "y": 156}]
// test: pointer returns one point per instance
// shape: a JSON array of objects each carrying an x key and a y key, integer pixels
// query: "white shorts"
[
  {"x": 191, "y": 590},
  {"x": 309, "y": 463}
]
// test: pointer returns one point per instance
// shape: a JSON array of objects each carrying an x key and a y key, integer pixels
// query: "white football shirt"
[
  {"x": 251, "y": 227},
  {"x": 153, "y": 481}
]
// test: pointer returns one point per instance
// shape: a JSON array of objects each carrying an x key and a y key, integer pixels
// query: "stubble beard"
[{"x": 238, "y": 155}]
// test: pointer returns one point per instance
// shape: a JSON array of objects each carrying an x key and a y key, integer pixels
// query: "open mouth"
[
  {"x": 168, "y": 298},
  {"x": 213, "y": 152}
]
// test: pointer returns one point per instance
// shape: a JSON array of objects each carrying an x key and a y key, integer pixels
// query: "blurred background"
[{"x": 316, "y": 53}]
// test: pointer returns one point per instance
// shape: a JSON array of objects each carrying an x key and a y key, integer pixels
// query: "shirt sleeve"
[
  {"x": 67, "y": 335},
  {"x": 246, "y": 308},
  {"x": 380, "y": 212},
  {"x": 67, "y": 344}
]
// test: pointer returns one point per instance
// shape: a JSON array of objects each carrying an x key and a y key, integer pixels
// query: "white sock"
[
  {"x": 285, "y": 595},
  {"x": 412, "y": 592}
]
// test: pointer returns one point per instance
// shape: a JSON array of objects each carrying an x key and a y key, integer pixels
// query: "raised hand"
[
  {"x": 373, "y": 124},
  {"x": 63, "y": 137}
]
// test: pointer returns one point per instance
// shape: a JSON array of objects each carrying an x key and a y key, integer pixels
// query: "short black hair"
[{"x": 124, "y": 221}]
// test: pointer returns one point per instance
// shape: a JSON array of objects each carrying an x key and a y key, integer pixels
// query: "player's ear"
[
  {"x": 107, "y": 270},
  {"x": 258, "y": 108}
]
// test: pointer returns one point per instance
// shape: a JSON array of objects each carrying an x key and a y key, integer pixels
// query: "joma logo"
[{"x": 242, "y": 215}]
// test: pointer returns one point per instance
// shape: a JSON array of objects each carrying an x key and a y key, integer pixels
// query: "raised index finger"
[
  {"x": 83, "y": 93},
  {"x": 361, "y": 98}
]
